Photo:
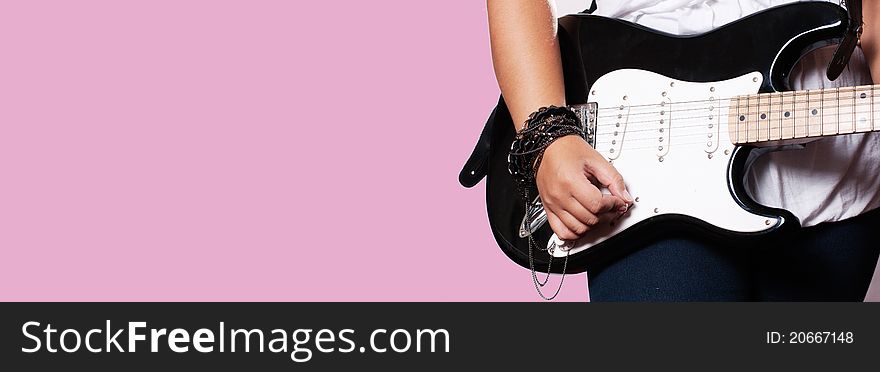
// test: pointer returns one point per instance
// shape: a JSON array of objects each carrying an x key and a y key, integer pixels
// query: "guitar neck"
[{"x": 768, "y": 117}]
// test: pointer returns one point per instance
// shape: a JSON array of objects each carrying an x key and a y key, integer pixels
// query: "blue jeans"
[{"x": 828, "y": 262}]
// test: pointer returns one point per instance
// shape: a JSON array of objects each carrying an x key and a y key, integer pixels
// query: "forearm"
[
  {"x": 870, "y": 40},
  {"x": 525, "y": 55}
]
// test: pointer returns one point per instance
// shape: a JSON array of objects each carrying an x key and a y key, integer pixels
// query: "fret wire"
[
  {"x": 679, "y": 110},
  {"x": 853, "y": 109},
  {"x": 779, "y": 116},
  {"x": 794, "y": 116},
  {"x": 808, "y": 118},
  {"x": 755, "y": 125},
  {"x": 704, "y": 100},
  {"x": 840, "y": 116},
  {"x": 738, "y": 122},
  {"x": 821, "y": 112},
  {"x": 704, "y": 108},
  {"x": 799, "y": 98},
  {"x": 698, "y": 101},
  {"x": 698, "y": 133},
  {"x": 692, "y": 117}
]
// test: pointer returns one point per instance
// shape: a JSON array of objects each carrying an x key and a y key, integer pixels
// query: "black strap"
[
  {"x": 850, "y": 39},
  {"x": 478, "y": 163},
  {"x": 592, "y": 9}
]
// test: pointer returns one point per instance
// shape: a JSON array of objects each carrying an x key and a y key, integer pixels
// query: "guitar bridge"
[
  {"x": 534, "y": 218},
  {"x": 587, "y": 113}
]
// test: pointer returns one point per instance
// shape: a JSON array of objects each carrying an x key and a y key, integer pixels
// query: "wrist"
[{"x": 541, "y": 130}]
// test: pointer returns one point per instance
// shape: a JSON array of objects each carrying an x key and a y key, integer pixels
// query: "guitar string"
[
  {"x": 770, "y": 117},
  {"x": 659, "y": 107},
  {"x": 713, "y": 143},
  {"x": 719, "y": 110},
  {"x": 799, "y": 93},
  {"x": 777, "y": 122},
  {"x": 856, "y": 124},
  {"x": 811, "y": 131},
  {"x": 792, "y": 108}
]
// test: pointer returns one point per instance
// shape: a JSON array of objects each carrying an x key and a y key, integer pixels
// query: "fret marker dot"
[
  {"x": 814, "y": 112},
  {"x": 742, "y": 118},
  {"x": 787, "y": 114},
  {"x": 763, "y": 116},
  {"x": 863, "y": 95}
]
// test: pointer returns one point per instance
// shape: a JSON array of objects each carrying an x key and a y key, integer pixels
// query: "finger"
[
  {"x": 559, "y": 228},
  {"x": 611, "y": 203},
  {"x": 580, "y": 212},
  {"x": 572, "y": 223},
  {"x": 595, "y": 202},
  {"x": 610, "y": 178}
]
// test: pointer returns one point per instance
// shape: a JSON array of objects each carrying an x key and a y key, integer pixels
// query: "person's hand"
[{"x": 572, "y": 202}]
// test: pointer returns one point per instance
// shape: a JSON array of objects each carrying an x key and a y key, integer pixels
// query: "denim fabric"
[{"x": 828, "y": 262}]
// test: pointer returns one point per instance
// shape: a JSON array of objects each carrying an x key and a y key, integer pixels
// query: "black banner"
[{"x": 328, "y": 336}]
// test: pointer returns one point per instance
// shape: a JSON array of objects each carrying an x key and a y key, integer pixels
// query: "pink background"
[{"x": 246, "y": 150}]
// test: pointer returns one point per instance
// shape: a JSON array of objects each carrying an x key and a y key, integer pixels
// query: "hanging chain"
[
  {"x": 526, "y": 152},
  {"x": 532, "y": 245}
]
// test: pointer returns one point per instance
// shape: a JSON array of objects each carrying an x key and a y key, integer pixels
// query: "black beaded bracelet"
[{"x": 540, "y": 130}]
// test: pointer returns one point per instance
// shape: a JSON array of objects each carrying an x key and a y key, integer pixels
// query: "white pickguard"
[{"x": 656, "y": 131}]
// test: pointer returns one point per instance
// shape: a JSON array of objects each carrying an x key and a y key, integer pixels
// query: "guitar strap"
[
  {"x": 592, "y": 9},
  {"x": 850, "y": 39}
]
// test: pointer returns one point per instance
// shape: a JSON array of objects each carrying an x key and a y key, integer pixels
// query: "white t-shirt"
[
  {"x": 830, "y": 179},
  {"x": 827, "y": 180}
]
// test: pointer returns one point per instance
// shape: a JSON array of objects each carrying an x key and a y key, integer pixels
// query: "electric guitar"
[{"x": 677, "y": 116}]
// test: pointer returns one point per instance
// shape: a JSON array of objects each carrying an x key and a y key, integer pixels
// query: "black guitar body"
[{"x": 770, "y": 42}]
